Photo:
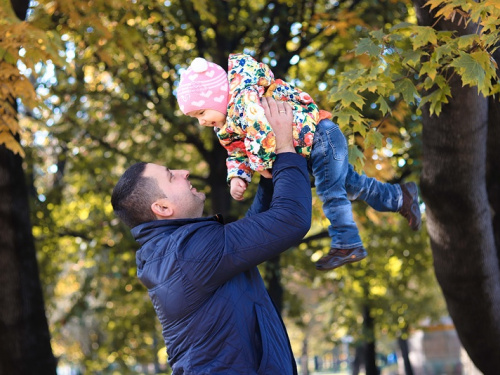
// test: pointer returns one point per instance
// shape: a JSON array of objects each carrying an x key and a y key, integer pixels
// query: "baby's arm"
[
  {"x": 260, "y": 142},
  {"x": 238, "y": 188},
  {"x": 237, "y": 160},
  {"x": 266, "y": 173}
]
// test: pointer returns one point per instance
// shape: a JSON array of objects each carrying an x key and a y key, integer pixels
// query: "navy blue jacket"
[{"x": 201, "y": 275}]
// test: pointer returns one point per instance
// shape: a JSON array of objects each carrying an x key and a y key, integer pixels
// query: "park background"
[{"x": 88, "y": 88}]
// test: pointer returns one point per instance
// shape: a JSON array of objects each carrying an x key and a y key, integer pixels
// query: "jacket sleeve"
[
  {"x": 260, "y": 142},
  {"x": 263, "y": 197},
  {"x": 243, "y": 244},
  {"x": 237, "y": 161}
]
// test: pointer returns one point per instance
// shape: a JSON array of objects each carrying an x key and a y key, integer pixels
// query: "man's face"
[
  {"x": 209, "y": 117},
  {"x": 182, "y": 198}
]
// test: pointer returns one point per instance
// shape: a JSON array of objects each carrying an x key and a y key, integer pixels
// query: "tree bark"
[
  {"x": 25, "y": 339},
  {"x": 20, "y": 8},
  {"x": 459, "y": 217},
  {"x": 405, "y": 353},
  {"x": 358, "y": 358},
  {"x": 304, "y": 358},
  {"x": 493, "y": 159},
  {"x": 221, "y": 199},
  {"x": 369, "y": 334}
]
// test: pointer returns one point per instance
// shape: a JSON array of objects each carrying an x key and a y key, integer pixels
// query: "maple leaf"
[
  {"x": 367, "y": 46},
  {"x": 384, "y": 107},
  {"x": 373, "y": 138},
  {"x": 423, "y": 35},
  {"x": 407, "y": 89},
  {"x": 347, "y": 116},
  {"x": 11, "y": 143},
  {"x": 430, "y": 68},
  {"x": 471, "y": 70},
  {"x": 412, "y": 58},
  {"x": 348, "y": 97},
  {"x": 436, "y": 99},
  {"x": 356, "y": 158}
]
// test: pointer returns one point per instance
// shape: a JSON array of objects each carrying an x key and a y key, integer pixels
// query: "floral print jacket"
[{"x": 247, "y": 135}]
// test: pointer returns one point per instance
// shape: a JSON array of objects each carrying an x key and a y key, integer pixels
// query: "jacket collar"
[{"x": 146, "y": 231}]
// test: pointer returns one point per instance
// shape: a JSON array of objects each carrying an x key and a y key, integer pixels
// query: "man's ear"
[{"x": 162, "y": 209}]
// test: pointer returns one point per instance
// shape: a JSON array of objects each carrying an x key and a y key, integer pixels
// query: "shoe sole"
[{"x": 337, "y": 265}]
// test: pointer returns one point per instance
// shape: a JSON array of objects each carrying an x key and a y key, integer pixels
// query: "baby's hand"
[
  {"x": 238, "y": 187},
  {"x": 266, "y": 173}
]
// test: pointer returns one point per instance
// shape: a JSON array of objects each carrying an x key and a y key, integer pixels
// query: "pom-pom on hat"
[{"x": 203, "y": 85}]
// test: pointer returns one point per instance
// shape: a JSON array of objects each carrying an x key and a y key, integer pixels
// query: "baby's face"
[{"x": 209, "y": 117}]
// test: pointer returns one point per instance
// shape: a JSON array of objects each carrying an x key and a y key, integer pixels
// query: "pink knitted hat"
[{"x": 203, "y": 85}]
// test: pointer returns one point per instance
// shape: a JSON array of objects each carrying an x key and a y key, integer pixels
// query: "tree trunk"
[
  {"x": 20, "y": 8},
  {"x": 304, "y": 359},
  {"x": 25, "y": 339},
  {"x": 221, "y": 199},
  {"x": 493, "y": 160},
  {"x": 369, "y": 334},
  {"x": 405, "y": 352},
  {"x": 358, "y": 358},
  {"x": 459, "y": 216}
]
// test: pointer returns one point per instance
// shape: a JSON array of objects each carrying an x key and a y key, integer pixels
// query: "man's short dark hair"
[{"x": 133, "y": 195}]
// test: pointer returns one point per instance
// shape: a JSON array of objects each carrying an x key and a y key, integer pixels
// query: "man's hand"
[{"x": 280, "y": 117}]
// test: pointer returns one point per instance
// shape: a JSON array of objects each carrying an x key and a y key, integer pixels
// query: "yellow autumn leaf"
[
  {"x": 12, "y": 124},
  {"x": 11, "y": 143}
]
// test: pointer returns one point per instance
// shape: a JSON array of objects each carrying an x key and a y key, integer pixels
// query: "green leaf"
[
  {"x": 407, "y": 89},
  {"x": 395, "y": 37},
  {"x": 371, "y": 86},
  {"x": 384, "y": 107},
  {"x": 412, "y": 58},
  {"x": 353, "y": 74},
  {"x": 422, "y": 36},
  {"x": 373, "y": 138},
  {"x": 430, "y": 68},
  {"x": 428, "y": 83},
  {"x": 367, "y": 46},
  {"x": 401, "y": 25},
  {"x": 356, "y": 158},
  {"x": 436, "y": 99},
  {"x": 467, "y": 41},
  {"x": 444, "y": 50},
  {"x": 359, "y": 127},
  {"x": 495, "y": 89},
  {"x": 491, "y": 40},
  {"x": 471, "y": 70},
  {"x": 441, "y": 82},
  {"x": 348, "y": 97},
  {"x": 346, "y": 115},
  {"x": 378, "y": 35}
]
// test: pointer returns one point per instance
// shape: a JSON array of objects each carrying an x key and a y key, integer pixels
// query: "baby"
[{"x": 230, "y": 103}]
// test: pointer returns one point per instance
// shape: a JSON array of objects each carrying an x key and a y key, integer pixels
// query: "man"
[{"x": 201, "y": 275}]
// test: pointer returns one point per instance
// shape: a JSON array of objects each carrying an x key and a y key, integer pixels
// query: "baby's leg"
[
  {"x": 329, "y": 166},
  {"x": 381, "y": 196},
  {"x": 384, "y": 196}
]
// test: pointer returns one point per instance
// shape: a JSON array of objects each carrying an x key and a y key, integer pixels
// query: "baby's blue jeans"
[{"x": 337, "y": 183}]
